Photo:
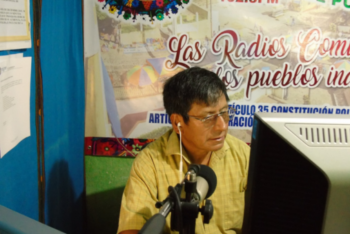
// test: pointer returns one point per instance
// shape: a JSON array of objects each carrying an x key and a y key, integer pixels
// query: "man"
[{"x": 196, "y": 101}]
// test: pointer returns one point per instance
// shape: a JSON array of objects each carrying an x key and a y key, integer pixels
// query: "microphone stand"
[{"x": 184, "y": 212}]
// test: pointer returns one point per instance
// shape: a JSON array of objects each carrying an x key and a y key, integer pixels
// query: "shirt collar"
[
  {"x": 173, "y": 148},
  {"x": 221, "y": 152}
]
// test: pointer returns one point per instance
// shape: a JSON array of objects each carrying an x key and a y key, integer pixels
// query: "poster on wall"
[
  {"x": 14, "y": 24},
  {"x": 288, "y": 56},
  {"x": 14, "y": 101}
]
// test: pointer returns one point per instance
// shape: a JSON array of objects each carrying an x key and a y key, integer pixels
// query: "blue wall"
[
  {"x": 61, "y": 59},
  {"x": 18, "y": 168},
  {"x": 64, "y": 103}
]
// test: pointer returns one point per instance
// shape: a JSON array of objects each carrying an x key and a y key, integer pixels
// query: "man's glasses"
[{"x": 210, "y": 120}]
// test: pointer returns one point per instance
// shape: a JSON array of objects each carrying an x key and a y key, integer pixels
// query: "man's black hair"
[{"x": 193, "y": 85}]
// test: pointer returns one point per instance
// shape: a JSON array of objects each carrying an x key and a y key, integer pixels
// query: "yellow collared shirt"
[{"x": 157, "y": 167}]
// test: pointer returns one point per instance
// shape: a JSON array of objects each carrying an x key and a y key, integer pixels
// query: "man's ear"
[{"x": 176, "y": 120}]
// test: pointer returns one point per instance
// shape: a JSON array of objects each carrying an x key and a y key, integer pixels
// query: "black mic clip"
[
  {"x": 193, "y": 198},
  {"x": 184, "y": 218}
]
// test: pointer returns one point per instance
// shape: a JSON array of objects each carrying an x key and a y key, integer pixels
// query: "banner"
[{"x": 278, "y": 56}]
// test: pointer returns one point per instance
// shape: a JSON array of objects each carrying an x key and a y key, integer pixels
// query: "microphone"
[
  {"x": 206, "y": 181},
  {"x": 206, "y": 185}
]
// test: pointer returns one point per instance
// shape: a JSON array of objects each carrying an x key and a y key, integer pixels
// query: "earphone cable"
[{"x": 180, "y": 169}]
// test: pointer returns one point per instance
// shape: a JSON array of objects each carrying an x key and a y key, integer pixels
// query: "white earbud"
[{"x": 178, "y": 126}]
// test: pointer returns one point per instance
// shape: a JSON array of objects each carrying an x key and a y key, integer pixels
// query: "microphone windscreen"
[{"x": 209, "y": 175}]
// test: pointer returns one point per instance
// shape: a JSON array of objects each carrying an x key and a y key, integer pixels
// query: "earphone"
[{"x": 180, "y": 171}]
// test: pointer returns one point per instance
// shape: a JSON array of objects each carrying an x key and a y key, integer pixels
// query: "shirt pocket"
[{"x": 234, "y": 207}]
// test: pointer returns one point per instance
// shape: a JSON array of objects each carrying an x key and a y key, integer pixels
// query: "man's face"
[{"x": 199, "y": 138}]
